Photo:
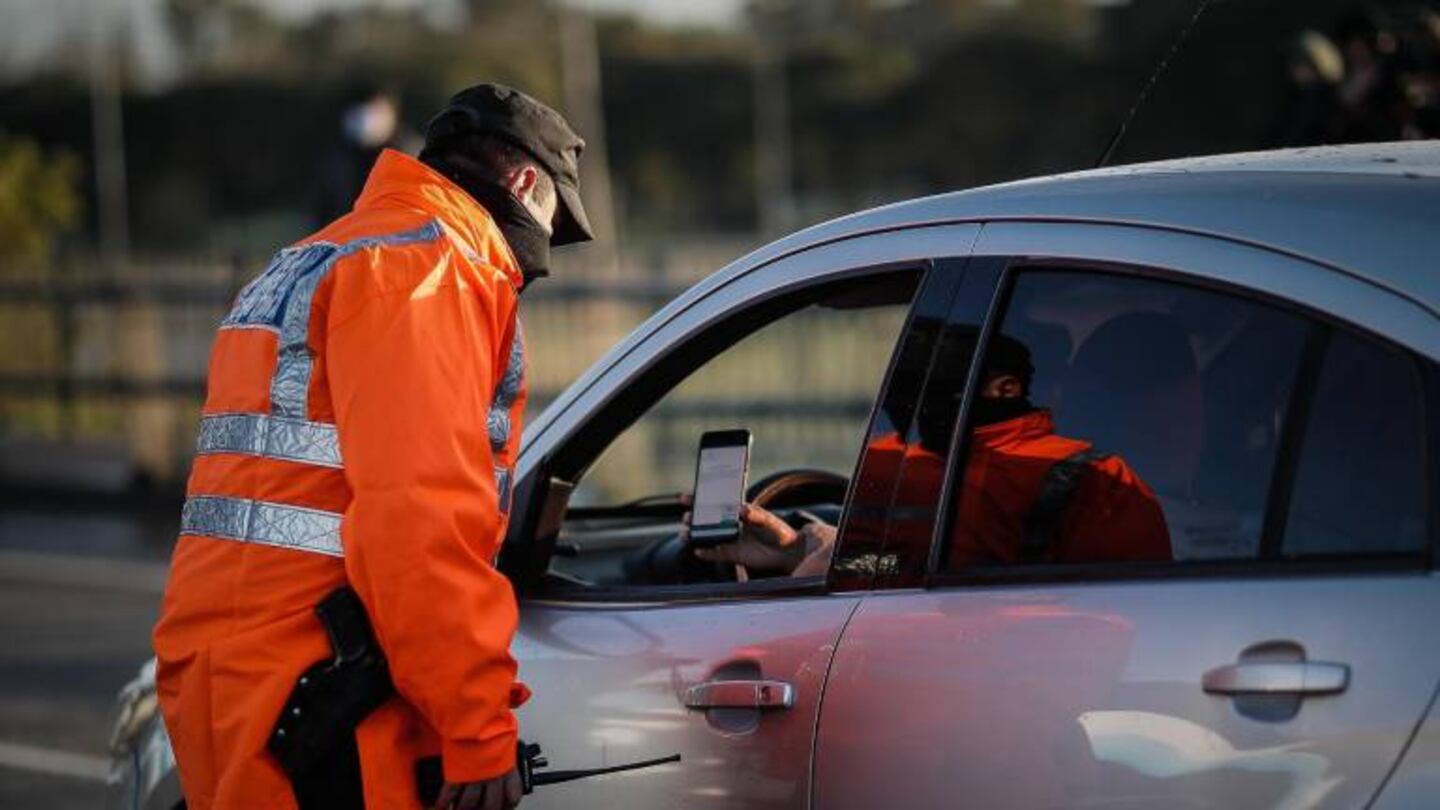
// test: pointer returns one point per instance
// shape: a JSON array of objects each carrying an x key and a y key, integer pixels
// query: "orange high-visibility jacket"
[
  {"x": 1112, "y": 514},
  {"x": 361, "y": 425}
]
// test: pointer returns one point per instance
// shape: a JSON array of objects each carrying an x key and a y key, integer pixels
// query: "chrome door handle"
[
  {"x": 740, "y": 695},
  {"x": 1278, "y": 678}
]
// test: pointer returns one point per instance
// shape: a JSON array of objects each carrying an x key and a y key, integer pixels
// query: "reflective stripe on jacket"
[{"x": 361, "y": 424}]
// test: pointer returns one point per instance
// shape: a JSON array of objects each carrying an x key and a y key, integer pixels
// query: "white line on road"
[
  {"x": 52, "y": 762},
  {"x": 78, "y": 571}
]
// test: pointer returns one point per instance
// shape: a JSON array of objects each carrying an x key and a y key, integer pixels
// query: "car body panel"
[
  {"x": 1415, "y": 783},
  {"x": 609, "y": 684},
  {"x": 1090, "y": 695},
  {"x": 614, "y": 676},
  {"x": 1037, "y": 695}
]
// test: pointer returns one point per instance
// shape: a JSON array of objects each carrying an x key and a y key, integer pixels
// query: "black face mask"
[
  {"x": 988, "y": 411},
  {"x": 525, "y": 236}
]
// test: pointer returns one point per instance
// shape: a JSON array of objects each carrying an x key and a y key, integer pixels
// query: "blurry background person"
[
  {"x": 1310, "y": 112},
  {"x": 369, "y": 125},
  {"x": 1370, "y": 96}
]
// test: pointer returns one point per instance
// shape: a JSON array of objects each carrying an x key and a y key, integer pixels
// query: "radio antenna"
[{"x": 1105, "y": 156}]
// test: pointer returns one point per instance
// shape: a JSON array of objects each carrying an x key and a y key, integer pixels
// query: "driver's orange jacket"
[
  {"x": 1115, "y": 516},
  {"x": 360, "y": 426}
]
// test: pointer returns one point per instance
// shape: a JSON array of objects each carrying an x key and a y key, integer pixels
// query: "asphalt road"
[{"x": 77, "y": 602}]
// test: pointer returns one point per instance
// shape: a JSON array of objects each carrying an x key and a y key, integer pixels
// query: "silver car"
[{"x": 1256, "y": 336}]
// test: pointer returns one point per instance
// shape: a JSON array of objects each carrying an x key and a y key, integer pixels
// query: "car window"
[
  {"x": 803, "y": 386},
  {"x": 802, "y": 379},
  {"x": 1360, "y": 484},
  {"x": 1121, "y": 418}
]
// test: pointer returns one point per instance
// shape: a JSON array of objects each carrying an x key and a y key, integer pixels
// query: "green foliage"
[{"x": 38, "y": 199}]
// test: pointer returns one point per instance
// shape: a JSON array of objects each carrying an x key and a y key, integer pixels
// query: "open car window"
[{"x": 801, "y": 373}]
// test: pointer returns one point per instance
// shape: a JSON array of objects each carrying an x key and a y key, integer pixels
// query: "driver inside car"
[{"x": 1029, "y": 494}]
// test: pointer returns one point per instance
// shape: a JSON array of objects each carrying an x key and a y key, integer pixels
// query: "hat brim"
[{"x": 572, "y": 225}]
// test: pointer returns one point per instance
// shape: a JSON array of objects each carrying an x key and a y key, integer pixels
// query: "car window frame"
[
  {"x": 526, "y": 571},
  {"x": 1430, "y": 386},
  {"x": 1320, "y": 325}
]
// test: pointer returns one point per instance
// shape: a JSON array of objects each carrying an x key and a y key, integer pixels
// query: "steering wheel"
[{"x": 788, "y": 489}]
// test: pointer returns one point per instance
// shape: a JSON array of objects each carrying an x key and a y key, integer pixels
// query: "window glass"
[
  {"x": 1121, "y": 418},
  {"x": 1360, "y": 483},
  {"x": 803, "y": 384}
]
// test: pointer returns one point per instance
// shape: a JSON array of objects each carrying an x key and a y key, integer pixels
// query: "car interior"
[
  {"x": 1147, "y": 370},
  {"x": 800, "y": 371}
]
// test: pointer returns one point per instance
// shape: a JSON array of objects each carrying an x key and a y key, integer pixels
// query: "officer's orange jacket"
[{"x": 361, "y": 425}]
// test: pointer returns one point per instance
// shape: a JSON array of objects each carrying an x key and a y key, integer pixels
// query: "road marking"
[
  {"x": 79, "y": 571},
  {"x": 55, "y": 763}
]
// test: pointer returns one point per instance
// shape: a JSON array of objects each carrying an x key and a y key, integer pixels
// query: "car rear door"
[
  {"x": 729, "y": 676},
  {"x": 1281, "y": 657}
]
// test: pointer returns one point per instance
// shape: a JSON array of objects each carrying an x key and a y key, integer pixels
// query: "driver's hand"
[
  {"x": 766, "y": 543},
  {"x": 500, "y": 793}
]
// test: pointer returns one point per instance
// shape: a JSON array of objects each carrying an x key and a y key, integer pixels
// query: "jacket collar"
[
  {"x": 400, "y": 181},
  {"x": 1034, "y": 425}
]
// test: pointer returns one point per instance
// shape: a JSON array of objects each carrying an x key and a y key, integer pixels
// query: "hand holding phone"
[{"x": 720, "y": 474}]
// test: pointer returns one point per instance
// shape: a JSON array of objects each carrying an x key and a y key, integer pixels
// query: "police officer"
[{"x": 360, "y": 428}]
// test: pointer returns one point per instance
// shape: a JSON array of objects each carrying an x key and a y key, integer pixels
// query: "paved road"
[{"x": 74, "y": 627}]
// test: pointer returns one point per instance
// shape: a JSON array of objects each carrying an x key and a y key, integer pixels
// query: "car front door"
[
  {"x": 634, "y": 653},
  {"x": 1281, "y": 651}
]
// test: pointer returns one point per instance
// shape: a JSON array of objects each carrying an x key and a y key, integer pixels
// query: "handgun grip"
[{"x": 348, "y": 625}]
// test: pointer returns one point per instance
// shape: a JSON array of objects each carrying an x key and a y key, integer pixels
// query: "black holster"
[{"x": 314, "y": 738}]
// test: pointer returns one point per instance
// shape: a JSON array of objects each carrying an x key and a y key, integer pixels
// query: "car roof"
[{"x": 1372, "y": 210}]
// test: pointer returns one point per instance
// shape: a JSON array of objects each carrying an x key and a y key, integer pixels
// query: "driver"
[{"x": 1029, "y": 494}]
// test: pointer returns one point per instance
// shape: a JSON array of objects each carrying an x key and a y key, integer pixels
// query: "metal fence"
[
  {"x": 102, "y": 373},
  {"x": 112, "y": 363}
]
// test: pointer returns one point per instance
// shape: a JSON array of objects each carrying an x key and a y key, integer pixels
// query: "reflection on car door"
[
  {"x": 1088, "y": 695},
  {"x": 622, "y": 676},
  {"x": 1291, "y": 679}
]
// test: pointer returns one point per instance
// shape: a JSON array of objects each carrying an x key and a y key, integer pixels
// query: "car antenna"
[{"x": 1119, "y": 135}]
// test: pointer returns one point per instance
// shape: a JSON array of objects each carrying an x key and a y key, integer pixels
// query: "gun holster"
[{"x": 332, "y": 697}]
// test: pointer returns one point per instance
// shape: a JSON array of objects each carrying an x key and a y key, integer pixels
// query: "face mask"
[
  {"x": 527, "y": 239},
  {"x": 988, "y": 411}
]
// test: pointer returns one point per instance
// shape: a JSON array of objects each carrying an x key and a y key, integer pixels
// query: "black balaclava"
[
  {"x": 526, "y": 237},
  {"x": 1006, "y": 356},
  {"x": 987, "y": 411}
]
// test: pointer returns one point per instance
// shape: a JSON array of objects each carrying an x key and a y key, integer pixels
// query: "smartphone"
[{"x": 720, "y": 475}]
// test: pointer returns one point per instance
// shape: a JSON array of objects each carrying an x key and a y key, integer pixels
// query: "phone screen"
[{"x": 719, "y": 485}]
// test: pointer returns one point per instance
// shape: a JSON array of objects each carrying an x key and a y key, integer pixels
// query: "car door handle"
[
  {"x": 1278, "y": 678},
  {"x": 740, "y": 695}
]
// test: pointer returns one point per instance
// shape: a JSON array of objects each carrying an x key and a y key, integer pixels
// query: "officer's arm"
[{"x": 411, "y": 374}]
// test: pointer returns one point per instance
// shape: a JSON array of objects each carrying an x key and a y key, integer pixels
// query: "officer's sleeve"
[{"x": 411, "y": 374}]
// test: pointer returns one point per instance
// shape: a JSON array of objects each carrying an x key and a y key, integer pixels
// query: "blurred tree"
[
  {"x": 882, "y": 99},
  {"x": 38, "y": 199}
]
